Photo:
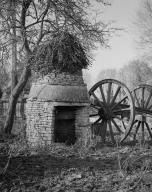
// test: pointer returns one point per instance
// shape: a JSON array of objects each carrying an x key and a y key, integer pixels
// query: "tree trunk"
[
  {"x": 14, "y": 50},
  {"x": 17, "y": 90},
  {"x": 14, "y": 98}
]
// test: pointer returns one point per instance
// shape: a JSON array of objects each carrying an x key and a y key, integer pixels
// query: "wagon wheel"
[
  {"x": 112, "y": 109},
  {"x": 143, "y": 109}
]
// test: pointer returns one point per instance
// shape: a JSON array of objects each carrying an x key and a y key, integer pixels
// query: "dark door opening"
[{"x": 64, "y": 128}]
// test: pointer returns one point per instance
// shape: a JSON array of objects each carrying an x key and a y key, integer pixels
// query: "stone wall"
[
  {"x": 40, "y": 123},
  {"x": 82, "y": 124},
  {"x": 62, "y": 79}
]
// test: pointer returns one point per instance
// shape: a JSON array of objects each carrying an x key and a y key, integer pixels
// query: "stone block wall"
[
  {"x": 82, "y": 124},
  {"x": 41, "y": 119},
  {"x": 40, "y": 123},
  {"x": 62, "y": 79}
]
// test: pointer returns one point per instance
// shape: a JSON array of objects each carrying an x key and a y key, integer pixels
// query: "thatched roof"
[
  {"x": 63, "y": 53},
  {"x": 59, "y": 93}
]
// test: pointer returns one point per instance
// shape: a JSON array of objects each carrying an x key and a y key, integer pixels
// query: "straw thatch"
[
  {"x": 59, "y": 93},
  {"x": 64, "y": 53}
]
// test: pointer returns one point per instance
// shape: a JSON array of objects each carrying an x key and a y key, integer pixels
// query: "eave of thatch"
[{"x": 59, "y": 93}]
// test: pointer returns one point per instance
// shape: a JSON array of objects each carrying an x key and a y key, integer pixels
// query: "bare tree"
[
  {"x": 135, "y": 73},
  {"x": 4, "y": 74},
  {"x": 107, "y": 74},
  {"x": 144, "y": 28},
  {"x": 36, "y": 21},
  {"x": 12, "y": 19}
]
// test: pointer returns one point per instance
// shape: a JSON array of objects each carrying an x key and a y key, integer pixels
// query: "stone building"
[{"x": 57, "y": 110}]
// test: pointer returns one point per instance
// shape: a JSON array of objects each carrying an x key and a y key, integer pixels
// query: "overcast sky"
[{"x": 123, "y": 47}]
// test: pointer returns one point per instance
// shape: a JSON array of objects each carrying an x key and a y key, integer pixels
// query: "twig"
[
  {"x": 140, "y": 179},
  {"x": 7, "y": 164},
  {"x": 119, "y": 163}
]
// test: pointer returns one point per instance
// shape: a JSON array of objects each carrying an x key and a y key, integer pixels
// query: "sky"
[{"x": 122, "y": 46}]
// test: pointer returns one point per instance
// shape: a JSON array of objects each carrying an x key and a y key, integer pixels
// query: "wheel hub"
[{"x": 105, "y": 114}]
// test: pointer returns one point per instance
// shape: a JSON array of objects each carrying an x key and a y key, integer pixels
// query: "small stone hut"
[
  {"x": 57, "y": 110},
  {"x": 58, "y": 102}
]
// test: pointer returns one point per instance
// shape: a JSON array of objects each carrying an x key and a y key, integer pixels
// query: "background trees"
[
  {"x": 135, "y": 73},
  {"x": 4, "y": 73},
  {"x": 107, "y": 74},
  {"x": 144, "y": 28},
  {"x": 132, "y": 74}
]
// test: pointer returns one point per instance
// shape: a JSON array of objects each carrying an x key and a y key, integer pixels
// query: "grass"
[{"x": 62, "y": 168}]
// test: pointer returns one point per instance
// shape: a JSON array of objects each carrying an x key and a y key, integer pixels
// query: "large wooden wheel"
[
  {"x": 143, "y": 109},
  {"x": 112, "y": 109}
]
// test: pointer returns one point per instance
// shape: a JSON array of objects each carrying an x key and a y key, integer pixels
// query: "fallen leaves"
[{"x": 65, "y": 169}]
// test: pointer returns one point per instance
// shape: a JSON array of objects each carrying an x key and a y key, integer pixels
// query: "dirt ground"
[{"x": 66, "y": 169}]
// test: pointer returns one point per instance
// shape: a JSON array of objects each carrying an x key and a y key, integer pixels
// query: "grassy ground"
[{"x": 70, "y": 169}]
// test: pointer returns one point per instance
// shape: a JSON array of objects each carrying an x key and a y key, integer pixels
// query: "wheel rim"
[
  {"x": 112, "y": 109},
  {"x": 143, "y": 106}
]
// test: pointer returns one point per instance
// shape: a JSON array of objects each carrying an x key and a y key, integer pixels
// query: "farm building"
[{"x": 57, "y": 110}]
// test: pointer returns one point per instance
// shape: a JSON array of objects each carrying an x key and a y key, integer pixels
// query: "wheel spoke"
[
  {"x": 111, "y": 132},
  {"x": 143, "y": 134},
  {"x": 148, "y": 128},
  {"x": 124, "y": 125},
  {"x": 109, "y": 92},
  {"x": 95, "y": 106},
  {"x": 150, "y": 107},
  {"x": 148, "y": 100},
  {"x": 142, "y": 102},
  {"x": 121, "y": 110},
  {"x": 97, "y": 99},
  {"x": 135, "y": 122},
  {"x": 125, "y": 112},
  {"x": 97, "y": 120},
  {"x": 136, "y": 98},
  {"x": 119, "y": 118},
  {"x": 102, "y": 93},
  {"x": 94, "y": 115},
  {"x": 115, "y": 124},
  {"x": 137, "y": 128},
  {"x": 117, "y": 104},
  {"x": 116, "y": 94}
]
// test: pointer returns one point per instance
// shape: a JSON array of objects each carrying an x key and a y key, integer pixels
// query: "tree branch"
[
  {"x": 36, "y": 13},
  {"x": 25, "y": 6},
  {"x": 41, "y": 27}
]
